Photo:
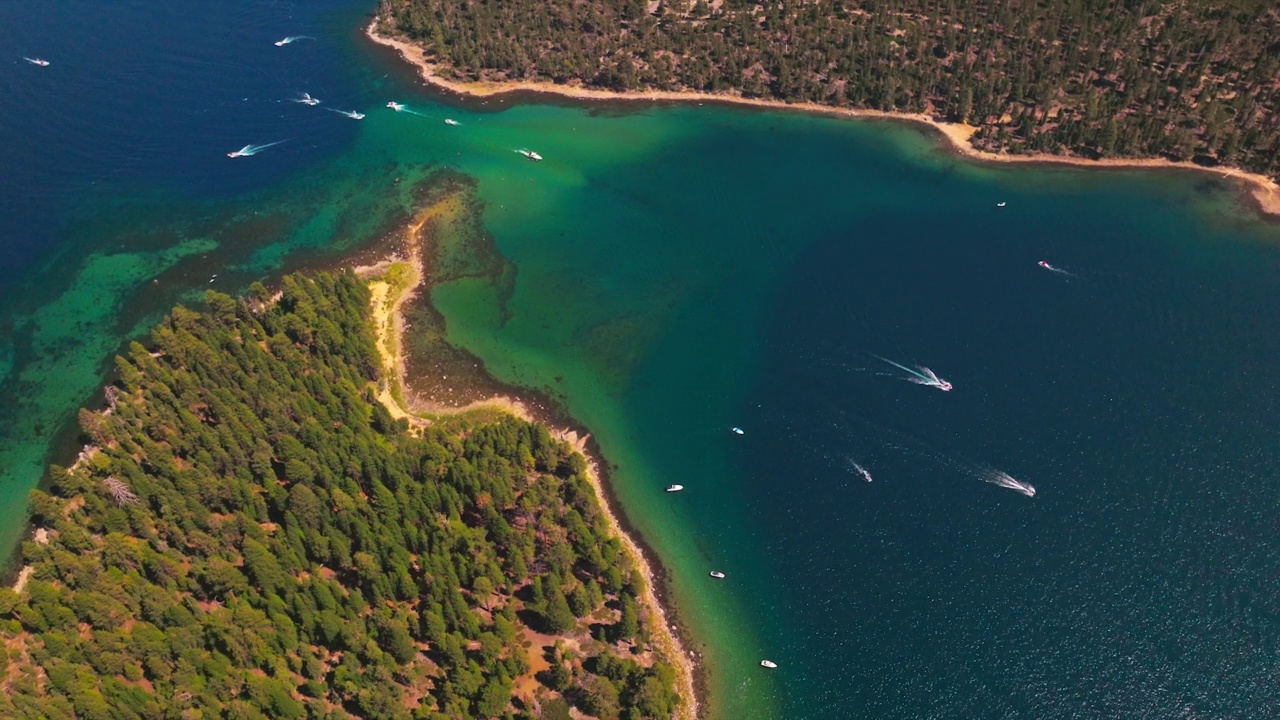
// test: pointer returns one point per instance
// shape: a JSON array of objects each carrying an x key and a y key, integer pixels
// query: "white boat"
[
  {"x": 674, "y": 488},
  {"x": 37, "y": 61},
  {"x": 306, "y": 99},
  {"x": 717, "y": 574},
  {"x": 395, "y": 106},
  {"x": 530, "y": 154},
  {"x": 449, "y": 121},
  {"x": 738, "y": 431},
  {"x": 245, "y": 151},
  {"x": 769, "y": 664},
  {"x": 349, "y": 113},
  {"x": 1001, "y": 203}
]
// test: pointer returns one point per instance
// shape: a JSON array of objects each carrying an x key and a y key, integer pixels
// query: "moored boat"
[
  {"x": 769, "y": 664},
  {"x": 674, "y": 488},
  {"x": 717, "y": 574}
]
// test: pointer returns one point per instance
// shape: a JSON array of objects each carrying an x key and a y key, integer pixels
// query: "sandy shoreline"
[
  {"x": 387, "y": 302},
  {"x": 1264, "y": 191}
]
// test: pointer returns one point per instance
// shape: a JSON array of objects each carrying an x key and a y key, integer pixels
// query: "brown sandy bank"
[{"x": 397, "y": 279}]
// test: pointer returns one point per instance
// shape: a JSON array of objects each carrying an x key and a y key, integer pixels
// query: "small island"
[{"x": 250, "y": 533}]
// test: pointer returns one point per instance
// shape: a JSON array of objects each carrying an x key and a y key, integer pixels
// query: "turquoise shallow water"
[{"x": 680, "y": 271}]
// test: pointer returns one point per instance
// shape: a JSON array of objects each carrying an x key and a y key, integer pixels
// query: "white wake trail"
[
  {"x": 920, "y": 375},
  {"x": 250, "y": 150},
  {"x": 1005, "y": 480}
]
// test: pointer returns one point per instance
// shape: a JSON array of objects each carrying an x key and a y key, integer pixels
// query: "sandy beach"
[
  {"x": 1264, "y": 191},
  {"x": 387, "y": 300}
]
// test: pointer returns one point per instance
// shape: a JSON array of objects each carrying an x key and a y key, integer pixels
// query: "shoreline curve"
[
  {"x": 389, "y": 326},
  {"x": 1263, "y": 191}
]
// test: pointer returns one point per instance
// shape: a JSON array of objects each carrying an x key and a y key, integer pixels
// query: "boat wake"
[
  {"x": 862, "y": 472},
  {"x": 1054, "y": 269},
  {"x": 292, "y": 39},
  {"x": 306, "y": 99},
  {"x": 349, "y": 113},
  {"x": 400, "y": 107},
  {"x": 910, "y": 443},
  {"x": 920, "y": 375},
  {"x": 1005, "y": 480},
  {"x": 249, "y": 150}
]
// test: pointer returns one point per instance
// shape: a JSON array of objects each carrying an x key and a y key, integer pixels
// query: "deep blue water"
[
  {"x": 158, "y": 93},
  {"x": 1139, "y": 398}
]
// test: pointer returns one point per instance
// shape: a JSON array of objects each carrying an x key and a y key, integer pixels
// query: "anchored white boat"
[
  {"x": 769, "y": 664},
  {"x": 738, "y": 431},
  {"x": 674, "y": 488},
  {"x": 717, "y": 574}
]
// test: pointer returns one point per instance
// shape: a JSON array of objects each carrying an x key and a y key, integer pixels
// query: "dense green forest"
[
  {"x": 1195, "y": 79},
  {"x": 250, "y": 535}
]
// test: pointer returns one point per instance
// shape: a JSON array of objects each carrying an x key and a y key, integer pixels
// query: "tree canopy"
[
  {"x": 251, "y": 535},
  {"x": 1185, "y": 80}
]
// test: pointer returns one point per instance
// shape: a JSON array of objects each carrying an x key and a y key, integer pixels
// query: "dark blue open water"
[{"x": 1139, "y": 398}]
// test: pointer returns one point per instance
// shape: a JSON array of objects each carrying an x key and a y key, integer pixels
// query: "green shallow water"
[{"x": 683, "y": 270}]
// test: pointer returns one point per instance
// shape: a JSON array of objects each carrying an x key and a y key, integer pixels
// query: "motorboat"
[
  {"x": 531, "y": 155},
  {"x": 862, "y": 471},
  {"x": 450, "y": 121},
  {"x": 1045, "y": 265},
  {"x": 37, "y": 61},
  {"x": 738, "y": 431},
  {"x": 769, "y": 664},
  {"x": 674, "y": 488},
  {"x": 1001, "y": 203},
  {"x": 395, "y": 106},
  {"x": 306, "y": 99},
  {"x": 717, "y": 574}
]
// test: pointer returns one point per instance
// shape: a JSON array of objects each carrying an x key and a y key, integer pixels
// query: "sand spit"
[{"x": 387, "y": 299}]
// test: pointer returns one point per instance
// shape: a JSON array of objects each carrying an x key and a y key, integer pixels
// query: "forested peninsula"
[
  {"x": 1186, "y": 81},
  {"x": 250, "y": 534}
]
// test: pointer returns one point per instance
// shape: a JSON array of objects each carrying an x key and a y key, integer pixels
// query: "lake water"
[{"x": 681, "y": 271}]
